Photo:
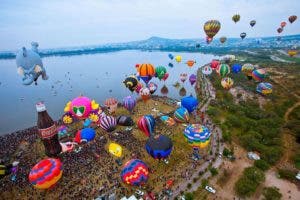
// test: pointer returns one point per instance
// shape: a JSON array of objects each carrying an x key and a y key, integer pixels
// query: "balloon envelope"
[
  {"x": 125, "y": 120},
  {"x": 197, "y": 135},
  {"x": 135, "y": 172},
  {"x": 223, "y": 70},
  {"x": 87, "y": 134},
  {"x": 193, "y": 79},
  {"x": 264, "y": 88},
  {"x": 146, "y": 124},
  {"x": 236, "y": 68},
  {"x": 258, "y": 74},
  {"x": 211, "y": 28},
  {"x": 181, "y": 115},
  {"x": 115, "y": 149},
  {"x": 227, "y": 83},
  {"x": 108, "y": 123},
  {"x": 206, "y": 70},
  {"x": 159, "y": 146},
  {"x": 129, "y": 103},
  {"x": 190, "y": 103},
  {"x": 178, "y": 58}
]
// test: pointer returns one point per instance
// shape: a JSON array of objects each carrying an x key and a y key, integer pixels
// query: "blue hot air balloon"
[
  {"x": 171, "y": 56},
  {"x": 129, "y": 103},
  {"x": 190, "y": 103},
  {"x": 159, "y": 146},
  {"x": 236, "y": 68},
  {"x": 87, "y": 134},
  {"x": 181, "y": 115},
  {"x": 170, "y": 65}
]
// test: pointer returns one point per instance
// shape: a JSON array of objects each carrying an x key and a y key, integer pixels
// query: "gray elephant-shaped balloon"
[{"x": 30, "y": 65}]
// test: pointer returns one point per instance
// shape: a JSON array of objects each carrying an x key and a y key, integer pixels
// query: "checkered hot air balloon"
[{"x": 135, "y": 172}]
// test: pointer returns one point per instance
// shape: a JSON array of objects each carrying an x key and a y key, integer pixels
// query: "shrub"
[
  {"x": 261, "y": 164},
  {"x": 271, "y": 193}
]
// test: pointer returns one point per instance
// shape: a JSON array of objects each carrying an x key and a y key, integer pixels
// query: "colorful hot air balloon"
[
  {"x": 46, "y": 173},
  {"x": 135, "y": 172},
  {"x": 145, "y": 93},
  {"x": 183, "y": 77},
  {"x": 206, "y": 70},
  {"x": 292, "y": 18},
  {"x": 171, "y": 56},
  {"x": 211, "y": 28},
  {"x": 223, "y": 70},
  {"x": 279, "y": 30},
  {"x": 164, "y": 90},
  {"x": 167, "y": 120},
  {"x": 181, "y": 115},
  {"x": 111, "y": 104},
  {"x": 108, "y": 123},
  {"x": 182, "y": 92},
  {"x": 139, "y": 87},
  {"x": 178, "y": 58},
  {"x": 159, "y": 146},
  {"x": 236, "y": 68},
  {"x": 258, "y": 74},
  {"x": 146, "y": 72},
  {"x": 131, "y": 83},
  {"x": 165, "y": 76},
  {"x": 160, "y": 72},
  {"x": 193, "y": 79},
  {"x": 87, "y": 134},
  {"x": 236, "y": 18},
  {"x": 292, "y": 52},
  {"x": 129, "y": 103},
  {"x": 264, "y": 88},
  {"x": 198, "y": 136},
  {"x": 115, "y": 149},
  {"x": 190, "y": 103},
  {"x": 152, "y": 87},
  {"x": 247, "y": 70},
  {"x": 190, "y": 63},
  {"x": 223, "y": 39},
  {"x": 214, "y": 64},
  {"x": 282, "y": 24},
  {"x": 252, "y": 23},
  {"x": 146, "y": 124},
  {"x": 226, "y": 83},
  {"x": 243, "y": 35}
]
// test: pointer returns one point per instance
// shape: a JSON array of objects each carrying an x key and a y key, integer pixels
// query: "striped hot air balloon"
[
  {"x": 111, "y": 104},
  {"x": 46, "y": 173},
  {"x": 108, "y": 123},
  {"x": 146, "y": 124},
  {"x": 236, "y": 18},
  {"x": 258, "y": 74},
  {"x": 264, "y": 88},
  {"x": 227, "y": 83},
  {"x": 211, "y": 28},
  {"x": 159, "y": 146},
  {"x": 146, "y": 72},
  {"x": 129, "y": 103},
  {"x": 223, "y": 70},
  {"x": 182, "y": 115},
  {"x": 198, "y": 136},
  {"x": 247, "y": 69},
  {"x": 135, "y": 172},
  {"x": 214, "y": 64}
]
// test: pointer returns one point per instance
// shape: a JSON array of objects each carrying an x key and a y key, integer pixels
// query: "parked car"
[
  {"x": 210, "y": 189},
  {"x": 139, "y": 192}
]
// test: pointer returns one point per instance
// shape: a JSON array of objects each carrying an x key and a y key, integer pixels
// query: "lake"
[{"x": 97, "y": 76}]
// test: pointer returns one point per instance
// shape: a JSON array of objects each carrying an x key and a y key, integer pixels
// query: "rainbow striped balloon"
[
  {"x": 45, "y": 173},
  {"x": 135, "y": 172},
  {"x": 197, "y": 135},
  {"x": 259, "y": 74},
  {"x": 182, "y": 115}
]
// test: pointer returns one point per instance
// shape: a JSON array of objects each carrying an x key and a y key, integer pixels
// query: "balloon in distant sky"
[
  {"x": 292, "y": 52},
  {"x": 183, "y": 77},
  {"x": 160, "y": 72},
  {"x": 206, "y": 70},
  {"x": 243, "y": 35},
  {"x": 252, "y": 23},
  {"x": 236, "y": 18},
  {"x": 190, "y": 63},
  {"x": 152, "y": 87},
  {"x": 131, "y": 82},
  {"x": 223, "y": 39},
  {"x": 170, "y": 65},
  {"x": 292, "y": 18},
  {"x": 171, "y": 56},
  {"x": 279, "y": 30},
  {"x": 164, "y": 90},
  {"x": 282, "y": 24},
  {"x": 145, "y": 94},
  {"x": 178, "y": 58},
  {"x": 211, "y": 28}
]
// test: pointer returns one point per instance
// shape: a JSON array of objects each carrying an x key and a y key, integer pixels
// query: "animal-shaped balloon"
[
  {"x": 146, "y": 124},
  {"x": 86, "y": 134},
  {"x": 81, "y": 108},
  {"x": 129, "y": 103},
  {"x": 108, "y": 123},
  {"x": 139, "y": 87},
  {"x": 131, "y": 82},
  {"x": 183, "y": 77},
  {"x": 206, "y": 70},
  {"x": 115, "y": 149},
  {"x": 181, "y": 115},
  {"x": 30, "y": 65}
]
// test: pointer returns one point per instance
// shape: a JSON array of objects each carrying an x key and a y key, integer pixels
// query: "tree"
[
  {"x": 189, "y": 185},
  {"x": 204, "y": 183},
  {"x": 261, "y": 164},
  {"x": 189, "y": 196},
  {"x": 271, "y": 193},
  {"x": 213, "y": 171}
]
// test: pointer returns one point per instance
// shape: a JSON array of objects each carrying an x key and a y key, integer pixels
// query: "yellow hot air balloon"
[
  {"x": 292, "y": 52},
  {"x": 178, "y": 58},
  {"x": 115, "y": 149},
  {"x": 211, "y": 28}
]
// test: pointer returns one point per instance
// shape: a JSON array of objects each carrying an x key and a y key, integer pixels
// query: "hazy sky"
[{"x": 60, "y": 23}]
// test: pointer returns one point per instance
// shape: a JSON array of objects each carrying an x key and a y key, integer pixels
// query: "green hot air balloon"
[
  {"x": 223, "y": 70},
  {"x": 160, "y": 72}
]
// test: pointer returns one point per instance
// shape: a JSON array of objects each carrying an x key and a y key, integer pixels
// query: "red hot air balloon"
[
  {"x": 283, "y": 24},
  {"x": 146, "y": 124},
  {"x": 214, "y": 64},
  {"x": 165, "y": 76}
]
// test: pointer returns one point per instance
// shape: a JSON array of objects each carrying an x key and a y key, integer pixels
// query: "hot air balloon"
[
  {"x": 181, "y": 115},
  {"x": 171, "y": 56},
  {"x": 183, "y": 77},
  {"x": 115, "y": 149},
  {"x": 292, "y": 52},
  {"x": 190, "y": 63},
  {"x": 145, "y": 93},
  {"x": 131, "y": 83},
  {"x": 282, "y": 24},
  {"x": 87, "y": 134},
  {"x": 223, "y": 70},
  {"x": 167, "y": 120},
  {"x": 236, "y": 68},
  {"x": 108, "y": 123},
  {"x": 236, "y": 18},
  {"x": 124, "y": 120},
  {"x": 178, "y": 58},
  {"x": 226, "y": 83},
  {"x": 206, "y": 70},
  {"x": 279, "y": 30},
  {"x": 208, "y": 40},
  {"x": 258, "y": 74},
  {"x": 198, "y": 136},
  {"x": 146, "y": 72},
  {"x": 182, "y": 92},
  {"x": 111, "y": 104},
  {"x": 135, "y": 172},
  {"x": 198, "y": 45},
  {"x": 292, "y": 18},
  {"x": 164, "y": 90},
  {"x": 46, "y": 173},
  {"x": 146, "y": 124},
  {"x": 171, "y": 65},
  {"x": 214, "y": 64},
  {"x": 193, "y": 79},
  {"x": 160, "y": 72},
  {"x": 252, "y": 23},
  {"x": 211, "y": 28},
  {"x": 247, "y": 70},
  {"x": 264, "y": 88},
  {"x": 243, "y": 35},
  {"x": 223, "y": 39},
  {"x": 165, "y": 76},
  {"x": 129, "y": 103},
  {"x": 159, "y": 146},
  {"x": 152, "y": 87},
  {"x": 190, "y": 103}
]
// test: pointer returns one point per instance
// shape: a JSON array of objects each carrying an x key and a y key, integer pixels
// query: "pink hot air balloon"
[
  {"x": 152, "y": 87},
  {"x": 146, "y": 124},
  {"x": 139, "y": 87},
  {"x": 165, "y": 76}
]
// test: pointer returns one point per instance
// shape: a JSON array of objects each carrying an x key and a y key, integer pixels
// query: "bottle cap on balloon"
[{"x": 40, "y": 107}]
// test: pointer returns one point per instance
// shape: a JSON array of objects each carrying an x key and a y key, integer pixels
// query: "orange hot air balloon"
[
  {"x": 146, "y": 71},
  {"x": 145, "y": 94},
  {"x": 190, "y": 63}
]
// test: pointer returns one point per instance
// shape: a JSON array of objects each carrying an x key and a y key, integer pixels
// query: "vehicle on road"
[{"x": 210, "y": 189}]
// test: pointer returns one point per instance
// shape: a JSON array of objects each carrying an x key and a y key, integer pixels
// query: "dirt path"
[{"x": 287, "y": 113}]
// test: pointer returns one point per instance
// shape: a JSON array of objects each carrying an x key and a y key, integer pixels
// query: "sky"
[{"x": 63, "y": 23}]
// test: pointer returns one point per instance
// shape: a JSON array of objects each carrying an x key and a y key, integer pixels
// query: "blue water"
[{"x": 91, "y": 75}]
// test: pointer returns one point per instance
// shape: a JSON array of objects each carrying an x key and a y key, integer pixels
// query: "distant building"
[{"x": 253, "y": 156}]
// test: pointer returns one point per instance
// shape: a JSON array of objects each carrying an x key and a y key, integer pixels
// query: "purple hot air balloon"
[
  {"x": 129, "y": 103},
  {"x": 108, "y": 123},
  {"x": 192, "y": 79}
]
